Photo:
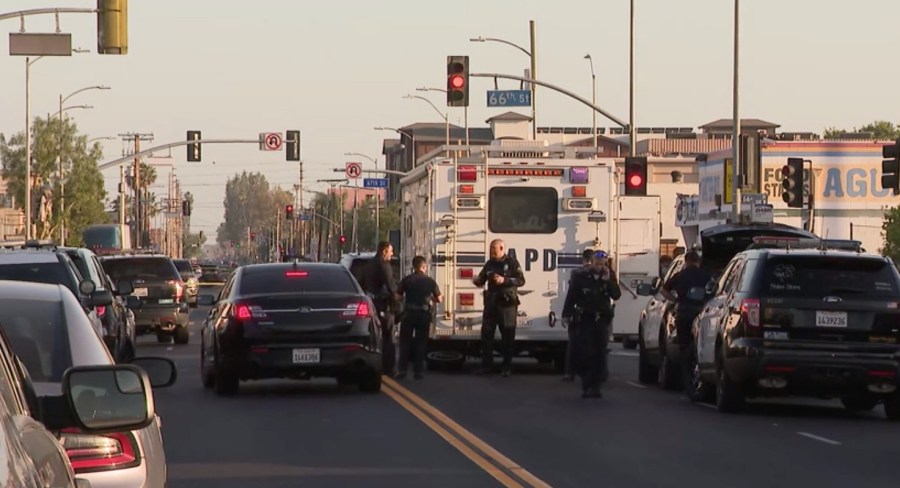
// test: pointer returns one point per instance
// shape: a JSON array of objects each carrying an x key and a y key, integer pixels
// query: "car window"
[
  {"x": 726, "y": 274},
  {"x": 37, "y": 333},
  {"x": 733, "y": 276},
  {"x": 104, "y": 279},
  {"x": 49, "y": 273},
  {"x": 9, "y": 387},
  {"x": 749, "y": 273},
  {"x": 358, "y": 268},
  {"x": 143, "y": 268},
  {"x": 675, "y": 267},
  {"x": 270, "y": 279},
  {"x": 183, "y": 266},
  {"x": 819, "y": 276}
]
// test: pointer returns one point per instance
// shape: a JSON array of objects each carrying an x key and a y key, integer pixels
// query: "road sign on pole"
[
  {"x": 353, "y": 170},
  {"x": 508, "y": 98},
  {"x": 375, "y": 182},
  {"x": 270, "y": 141},
  {"x": 304, "y": 217}
]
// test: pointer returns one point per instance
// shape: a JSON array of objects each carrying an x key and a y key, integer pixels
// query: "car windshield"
[
  {"x": 296, "y": 280},
  {"x": 131, "y": 268},
  {"x": 819, "y": 276},
  {"x": 38, "y": 335},
  {"x": 49, "y": 273},
  {"x": 183, "y": 266}
]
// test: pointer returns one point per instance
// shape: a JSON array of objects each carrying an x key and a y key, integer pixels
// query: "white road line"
[
  {"x": 636, "y": 385},
  {"x": 819, "y": 438},
  {"x": 707, "y": 405},
  {"x": 623, "y": 353}
]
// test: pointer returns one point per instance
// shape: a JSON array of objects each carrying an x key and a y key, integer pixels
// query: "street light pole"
[
  {"x": 736, "y": 126},
  {"x": 28, "y": 63},
  {"x": 594, "y": 101},
  {"x": 377, "y": 197},
  {"x": 446, "y": 117},
  {"x": 631, "y": 134}
]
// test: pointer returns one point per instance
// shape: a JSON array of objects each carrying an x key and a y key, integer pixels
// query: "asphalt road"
[{"x": 528, "y": 430}]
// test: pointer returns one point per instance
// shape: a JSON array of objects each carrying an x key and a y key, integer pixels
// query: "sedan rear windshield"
[
  {"x": 49, "y": 273},
  {"x": 296, "y": 280},
  {"x": 141, "y": 268},
  {"x": 821, "y": 276},
  {"x": 183, "y": 266},
  {"x": 38, "y": 335}
]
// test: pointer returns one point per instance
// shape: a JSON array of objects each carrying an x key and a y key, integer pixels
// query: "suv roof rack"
[{"x": 788, "y": 243}]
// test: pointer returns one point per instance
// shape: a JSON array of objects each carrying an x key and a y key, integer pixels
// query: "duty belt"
[{"x": 421, "y": 308}]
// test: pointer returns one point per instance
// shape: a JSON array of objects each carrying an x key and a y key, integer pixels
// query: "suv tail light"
[
  {"x": 179, "y": 289},
  {"x": 750, "y": 312},
  {"x": 90, "y": 453},
  {"x": 101, "y": 311},
  {"x": 358, "y": 310}
]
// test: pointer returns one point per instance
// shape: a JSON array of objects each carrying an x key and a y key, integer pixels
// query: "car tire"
[
  {"x": 859, "y": 403},
  {"x": 226, "y": 383},
  {"x": 182, "y": 335},
  {"x": 729, "y": 394},
  {"x": 647, "y": 373},
  {"x": 892, "y": 407},
  {"x": 445, "y": 360},
  {"x": 345, "y": 379},
  {"x": 697, "y": 390},
  {"x": 206, "y": 376},
  {"x": 163, "y": 337},
  {"x": 370, "y": 383},
  {"x": 669, "y": 373}
]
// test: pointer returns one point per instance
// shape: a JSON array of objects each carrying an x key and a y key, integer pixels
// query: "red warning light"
[
  {"x": 635, "y": 181},
  {"x": 457, "y": 81}
]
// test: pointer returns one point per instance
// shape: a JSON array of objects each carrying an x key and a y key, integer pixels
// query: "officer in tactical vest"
[
  {"x": 587, "y": 262},
  {"x": 419, "y": 292},
  {"x": 503, "y": 276},
  {"x": 588, "y": 307}
]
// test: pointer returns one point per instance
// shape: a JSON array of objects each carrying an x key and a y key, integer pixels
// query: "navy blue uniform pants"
[
  {"x": 505, "y": 319},
  {"x": 590, "y": 351},
  {"x": 414, "y": 339}
]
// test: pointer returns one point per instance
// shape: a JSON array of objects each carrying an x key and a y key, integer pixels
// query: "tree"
[
  {"x": 53, "y": 139},
  {"x": 890, "y": 228},
  {"x": 250, "y": 204},
  {"x": 388, "y": 219},
  {"x": 880, "y": 129}
]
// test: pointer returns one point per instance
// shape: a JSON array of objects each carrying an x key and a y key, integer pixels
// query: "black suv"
[
  {"x": 163, "y": 299},
  {"x": 801, "y": 317}
]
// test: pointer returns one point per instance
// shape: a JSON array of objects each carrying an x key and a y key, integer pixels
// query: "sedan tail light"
[
  {"x": 90, "y": 453},
  {"x": 246, "y": 312},
  {"x": 358, "y": 310}
]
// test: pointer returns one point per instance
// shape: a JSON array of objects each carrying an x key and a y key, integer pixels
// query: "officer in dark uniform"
[
  {"x": 587, "y": 261},
  {"x": 503, "y": 276},
  {"x": 418, "y": 291},
  {"x": 687, "y": 308},
  {"x": 588, "y": 307},
  {"x": 378, "y": 282}
]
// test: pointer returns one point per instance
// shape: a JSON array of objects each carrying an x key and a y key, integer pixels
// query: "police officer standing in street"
[
  {"x": 587, "y": 261},
  {"x": 588, "y": 307},
  {"x": 503, "y": 276},
  {"x": 687, "y": 306},
  {"x": 419, "y": 292},
  {"x": 379, "y": 284}
]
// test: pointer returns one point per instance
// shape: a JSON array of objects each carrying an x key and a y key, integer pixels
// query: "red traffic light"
[
  {"x": 635, "y": 181},
  {"x": 457, "y": 81},
  {"x": 635, "y": 176},
  {"x": 253, "y": 236},
  {"x": 289, "y": 208},
  {"x": 342, "y": 239}
]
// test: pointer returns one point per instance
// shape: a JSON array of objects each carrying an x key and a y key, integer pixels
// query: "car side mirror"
[
  {"x": 100, "y": 298},
  {"x": 108, "y": 398},
  {"x": 711, "y": 288},
  {"x": 161, "y": 371},
  {"x": 206, "y": 300},
  {"x": 656, "y": 283},
  {"x": 132, "y": 302},
  {"x": 87, "y": 287},
  {"x": 125, "y": 287},
  {"x": 645, "y": 289}
]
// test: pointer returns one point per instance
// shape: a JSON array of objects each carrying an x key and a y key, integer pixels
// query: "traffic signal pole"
[{"x": 144, "y": 152}]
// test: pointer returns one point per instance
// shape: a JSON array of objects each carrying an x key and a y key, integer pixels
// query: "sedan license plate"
[
  {"x": 831, "y": 319},
  {"x": 166, "y": 301},
  {"x": 140, "y": 292},
  {"x": 306, "y": 356}
]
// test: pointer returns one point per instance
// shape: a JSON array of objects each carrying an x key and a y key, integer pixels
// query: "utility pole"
[
  {"x": 533, "y": 86},
  {"x": 302, "y": 247},
  {"x": 122, "y": 197},
  {"x": 170, "y": 227},
  {"x": 179, "y": 221},
  {"x": 736, "y": 136},
  {"x": 139, "y": 216}
]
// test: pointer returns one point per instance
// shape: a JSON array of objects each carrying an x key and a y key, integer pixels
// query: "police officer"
[
  {"x": 378, "y": 282},
  {"x": 588, "y": 307},
  {"x": 587, "y": 261},
  {"x": 418, "y": 291},
  {"x": 677, "y": 289},
  {"x": 503, "y": 276}
]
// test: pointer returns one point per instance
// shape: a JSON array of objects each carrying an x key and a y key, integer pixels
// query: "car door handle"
[{"x": 720, "y": 306}]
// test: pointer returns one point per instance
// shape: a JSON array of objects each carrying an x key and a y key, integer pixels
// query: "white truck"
[{"x": 548, "y": 206}]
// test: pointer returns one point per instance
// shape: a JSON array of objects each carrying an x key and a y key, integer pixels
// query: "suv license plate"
[
  {"x": 831, "y": 319},
  {"x": 140, "y": 292},
  {"x": 306, "y": 356}
]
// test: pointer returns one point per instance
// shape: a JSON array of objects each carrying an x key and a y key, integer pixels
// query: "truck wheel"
[
  {"x": 182, "y": 335},
  {"x": 647, "y": 373},
  {"x": 163, "y": 337},
  {"x": 445, "y": 360}
]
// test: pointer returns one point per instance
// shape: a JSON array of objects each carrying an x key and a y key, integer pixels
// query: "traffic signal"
[
  {"x": 635, "y": 176},
  {"x": 289, "y": 212},
  {"x": 112, "y": 26},
  {"x": 890, "y": 167},
  {"x": 792, "y": 182},
  {"x": 252, "y": 236},
  {"x": 232, "y": 244},
  {"x": 193, "y": 149},
  {"x": 457, "y": 81},
  {"x": 292, "y": 145},
  {"x": 342, "y": 240},
  {"x": 186, "y": 208}
]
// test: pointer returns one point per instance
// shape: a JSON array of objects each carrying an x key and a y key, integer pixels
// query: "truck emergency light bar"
[
  {"x": 788, "y": 243},
  {"x": 555, "y": 172}
]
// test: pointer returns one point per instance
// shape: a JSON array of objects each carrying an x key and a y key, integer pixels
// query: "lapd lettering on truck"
[{"x": 531, "y": 257}]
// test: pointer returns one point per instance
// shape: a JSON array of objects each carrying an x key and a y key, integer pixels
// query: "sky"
[{"x": 335, "y": 70}]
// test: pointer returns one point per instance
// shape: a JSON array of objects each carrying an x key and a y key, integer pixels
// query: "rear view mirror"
[
  {"x": 87, "y": 287},
  {"x": 161, "y": 371},
  {"x": 100, "y": 298},
  {"x": 125, "y": 287},
  {"x": 645, "y": 289},
  {"x": 206, "y": 300},
  {"x": 109, "y": 398},
  {"x": 711, "y": 288},
  {"x": 132, "y": 302}
]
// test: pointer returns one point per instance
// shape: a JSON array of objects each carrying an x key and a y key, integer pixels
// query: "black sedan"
[{"x": 290, "y": 320}]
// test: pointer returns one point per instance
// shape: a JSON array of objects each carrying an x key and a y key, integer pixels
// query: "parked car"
[
  {"x": 117, "y": 319},
  {"x": 290, "y": 320},
  {"x": 356, "y": 263},
  {"x": 190, "y": 278},
  {"x": 47, "y": 329},
  {"x": 163, "y": 308},
  {"x": 803, "y": 318},
  {"x": 658, "y": 339}
]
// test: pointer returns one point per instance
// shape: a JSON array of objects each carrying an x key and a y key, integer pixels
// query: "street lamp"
[
  {"x": 103, "y": 138},
  {"x": 533, "y": 73},
  {"x": 446, "y": 117},
  {"x": 62, "y": 182},
  {"x": 594, "y": 102}
]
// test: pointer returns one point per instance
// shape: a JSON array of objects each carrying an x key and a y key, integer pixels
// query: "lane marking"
[
  {"x": 636, "y": 385},
  {"x": 627, "y": 354},
  {"x": 467, "y": 451},
  {"x": 819, "y": 438},
  {"x": 486, "y": 449},
  {"x": 707, "y": 405}
]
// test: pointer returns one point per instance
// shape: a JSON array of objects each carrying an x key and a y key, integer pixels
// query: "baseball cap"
[{"x": 600, "y": 254}]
